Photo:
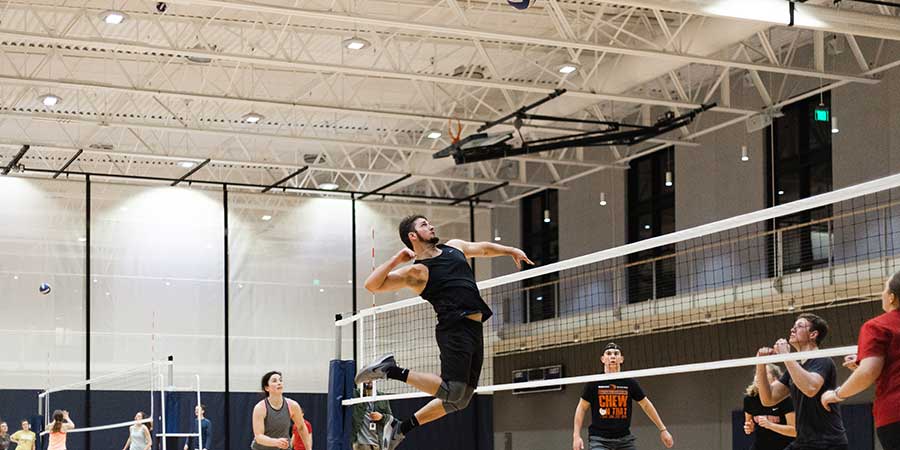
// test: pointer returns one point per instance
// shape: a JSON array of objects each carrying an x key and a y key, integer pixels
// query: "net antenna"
[{"x": 827, "y": 254}]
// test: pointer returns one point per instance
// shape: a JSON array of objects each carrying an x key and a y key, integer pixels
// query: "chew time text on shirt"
[{"x": 613, "y": 402}]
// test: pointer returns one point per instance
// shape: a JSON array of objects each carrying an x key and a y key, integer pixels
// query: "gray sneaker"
[
  {"x": 377, "y": 370},
  {"x": 391, "y": 436}
]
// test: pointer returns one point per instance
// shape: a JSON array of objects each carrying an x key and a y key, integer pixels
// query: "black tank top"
[{"x": 451, "y": 287}]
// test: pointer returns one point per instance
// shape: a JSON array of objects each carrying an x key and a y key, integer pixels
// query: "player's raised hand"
[{"x": 519, "y": 257}]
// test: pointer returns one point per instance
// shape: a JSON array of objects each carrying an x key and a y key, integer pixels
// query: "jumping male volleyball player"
[{"x": 441, "y": 275}]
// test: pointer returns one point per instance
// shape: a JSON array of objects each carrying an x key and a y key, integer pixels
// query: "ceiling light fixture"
[
  {"x": 252, "y": 117},
  {"x": 186, "y": 164},
  {"x": 112, "y": 17},
  {"x": 745, "y": 153},
  {"x": 266, "y": 218},
  {"x": 50, "y": 99},
  {"x": 434, "y": 134},
  {"x": 355, "y": 43},
  {"x": 603, "y": 199},
  {"x": 496, "y": 234},
  {"x": 668, "y": 178},
  {"x": 546, "y": 216},
  {"x": 567, "y": 68},
  {"x": 834, "y": 125},
  {"x": 328, "y": 186}
]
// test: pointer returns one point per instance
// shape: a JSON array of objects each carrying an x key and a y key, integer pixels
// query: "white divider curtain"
[{"x": 41, "y": 242}]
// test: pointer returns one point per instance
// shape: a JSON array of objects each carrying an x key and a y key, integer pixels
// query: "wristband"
[
  {"x": 837, "y": 395},
  {"x": 662, "y": 429}
]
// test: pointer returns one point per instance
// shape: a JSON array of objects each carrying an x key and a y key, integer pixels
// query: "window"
[
  {"x": 651, "y": 212},
  {"x": 799, "y": 166},
  {"x": 540, "y": 241}
]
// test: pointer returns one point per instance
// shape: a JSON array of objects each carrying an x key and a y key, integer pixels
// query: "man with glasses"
[{"x": 805, "y": 381}]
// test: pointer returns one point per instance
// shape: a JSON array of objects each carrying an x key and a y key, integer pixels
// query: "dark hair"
[
  {"x": 612, "y": 346},
  {"x": 265, "y": 381},
  {"x": 24, "y": 421},
  {"x": 203, "y": 407},
  {"x": 817, "y": 324},
  {"x": 148, "y": 425},
  {"x": 57, "y": 421},
  {"x": 894, "y": 285},
  {"x": 408, "y": 225}
]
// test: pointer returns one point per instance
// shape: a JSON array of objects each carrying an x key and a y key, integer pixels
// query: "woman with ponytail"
[{"x": 61, "y": 425}]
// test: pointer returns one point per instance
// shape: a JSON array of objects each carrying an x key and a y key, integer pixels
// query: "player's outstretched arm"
[{"x": 490, "y": 250}]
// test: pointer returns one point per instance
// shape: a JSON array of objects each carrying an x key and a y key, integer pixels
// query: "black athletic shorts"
[
  {"x": 462, "y": 351},
  {"x": 889, "y": 435}
]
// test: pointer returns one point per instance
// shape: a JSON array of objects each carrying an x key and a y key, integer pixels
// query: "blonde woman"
[{"x": 772, "y": 426}]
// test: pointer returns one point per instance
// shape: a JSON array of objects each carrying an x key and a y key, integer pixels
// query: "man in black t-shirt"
[
  {"x": 610, "y": 405},
  {"x": 805, "y": 381}
]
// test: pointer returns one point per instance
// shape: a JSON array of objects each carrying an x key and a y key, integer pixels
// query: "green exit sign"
[{"x": 822, "y": 115}]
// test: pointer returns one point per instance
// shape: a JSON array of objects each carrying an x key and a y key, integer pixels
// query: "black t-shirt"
[
  {"x": 817, "y": 427},
  {"x": 611, "y": 406},
  {"x": 765, "y": 439}
]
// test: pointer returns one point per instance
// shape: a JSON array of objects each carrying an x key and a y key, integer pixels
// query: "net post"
[
  {"x": 337, "y": 337},
  {"x": 199, "y": 420},
  {"x": 162, "y": 396}
]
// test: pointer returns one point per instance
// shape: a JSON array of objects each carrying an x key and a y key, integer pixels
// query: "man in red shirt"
[
  {"x": 878, "y": 359},
  {"x": 296, "y": 442}
]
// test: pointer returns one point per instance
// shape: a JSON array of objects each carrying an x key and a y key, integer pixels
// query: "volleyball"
[{"x": 44, "y": 288}]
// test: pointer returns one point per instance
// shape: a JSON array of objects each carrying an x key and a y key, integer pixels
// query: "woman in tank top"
[
  {"x": 61, "y": 425},
  {"x": 273, "y": 415},
  {"x": 138, "y": 434}
]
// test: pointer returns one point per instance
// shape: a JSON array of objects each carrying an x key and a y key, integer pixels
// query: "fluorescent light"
[
  {"x": 200, "y": 59},
  {"x": 434, "y": 134},
  {"x": 186, "y": 164},
  {"x": 603, "y": 199},
  {"x": 745, "y": 153},
  {"x": 252, "y": 117},
  {"x": 355, "y": 43},
  {"x": 328, "y": 186},
  {"x": 113, "y": 17},
  {"x": 266, "y": 218},
  {"x": 834, "y": 125},
  {"x": 567, "y": 68},
  {"x": 774, "y": 11},
  {"x": 49, "y": 99}
]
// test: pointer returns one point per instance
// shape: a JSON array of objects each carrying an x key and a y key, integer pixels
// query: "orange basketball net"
[{"x": 454, "y": 137}]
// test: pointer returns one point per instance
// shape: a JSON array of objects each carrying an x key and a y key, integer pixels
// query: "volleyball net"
[
  {"x": 104, "y": 408},
  {"x": 697, "y": 299}
]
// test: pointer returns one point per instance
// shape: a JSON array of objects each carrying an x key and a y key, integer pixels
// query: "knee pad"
[{"x": 455, "y": 395}]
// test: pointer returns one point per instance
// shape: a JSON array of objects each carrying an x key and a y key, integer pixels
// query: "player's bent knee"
[{"x": 455, "y": 395}]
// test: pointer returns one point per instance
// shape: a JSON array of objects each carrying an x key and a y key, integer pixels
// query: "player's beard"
[{"x": 432, "y": 242}]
